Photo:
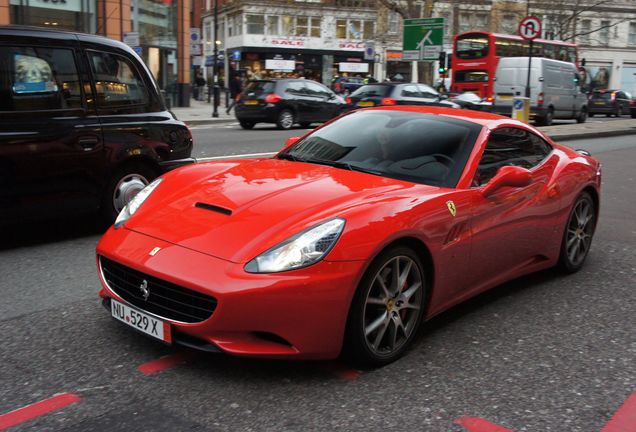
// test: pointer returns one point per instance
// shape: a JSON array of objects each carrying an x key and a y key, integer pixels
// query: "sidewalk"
[{"x": 199, "y": 113}]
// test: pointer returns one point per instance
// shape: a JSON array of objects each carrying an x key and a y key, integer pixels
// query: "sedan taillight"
[
  {"x": 348, "y": 100},
  {"x": 272, "y": 98},
  {"x": 388, "y": 101}
]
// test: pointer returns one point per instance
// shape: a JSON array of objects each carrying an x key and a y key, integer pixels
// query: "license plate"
[
  {"x": 365, "y": 104},
  {"x": 141, "y": 321},
  {"x": 251, "y": 102},
  {"x": 504, "y": 97},
  {"x": 599, "y": 103}
]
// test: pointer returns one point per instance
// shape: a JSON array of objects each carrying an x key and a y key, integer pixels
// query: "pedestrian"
[
  {"x": 200, "y": 84},
  {"x": 235, "y": 89}
]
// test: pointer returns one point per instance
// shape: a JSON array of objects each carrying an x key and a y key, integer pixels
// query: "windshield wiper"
[
  {"x": 289, "y": 156},
  {"x": 344, "y": 165}
]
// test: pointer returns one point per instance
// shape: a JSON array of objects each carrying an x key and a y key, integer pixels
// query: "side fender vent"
[{"x": 214, "y": 208}]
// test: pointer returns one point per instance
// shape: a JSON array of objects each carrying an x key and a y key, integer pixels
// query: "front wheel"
[
  {"x": 285, "y": 119},
  {"x": 125, "y": 183},
  {"x": 387, "y": 309},
  {"x": 579, "y": 231}
]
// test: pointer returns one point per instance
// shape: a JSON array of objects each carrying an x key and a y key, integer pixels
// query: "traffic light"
[{"x": 442, "y": 63}]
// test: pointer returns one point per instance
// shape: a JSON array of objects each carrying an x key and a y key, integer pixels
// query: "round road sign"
[{"x": 530, "y": 28}]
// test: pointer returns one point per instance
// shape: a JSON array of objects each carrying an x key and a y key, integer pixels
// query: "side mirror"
[
  {"x": 291, "y": 141},
  {"x": 512, "y": 176}
]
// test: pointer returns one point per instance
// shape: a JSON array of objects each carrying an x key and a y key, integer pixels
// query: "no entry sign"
[{"x": 530, "y": 28}]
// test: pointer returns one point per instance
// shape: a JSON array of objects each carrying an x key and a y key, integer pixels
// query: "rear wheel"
[
  {"x": 579, "y": 231},
  {"x": 127, "y": 182},
  {"x": 582, "y": 116},
  {"x": 285, "y": 119},
  {"x": 547, "y": 119},
  {"x": 246, "y": 124},
  {"x": 387, "y": 309}
]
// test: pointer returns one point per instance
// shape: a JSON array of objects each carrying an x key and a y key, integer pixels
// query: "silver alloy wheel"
[
  {"x": 392, "y": 305},
  {"x": 286, "y": 119},
  {"x": 580, "y": 230},
  {"x": 126, "y": 189}
]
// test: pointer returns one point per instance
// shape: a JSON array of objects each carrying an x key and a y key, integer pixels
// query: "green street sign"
[{"x": 423, "y": 38}]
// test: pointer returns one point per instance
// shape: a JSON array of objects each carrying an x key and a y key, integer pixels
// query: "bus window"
[
  {"x": 471, "y": 47},
  {"x": 548, "y": 51},
  {"x": 471, "y": 76},
  {"x": 572, "y": 54}
]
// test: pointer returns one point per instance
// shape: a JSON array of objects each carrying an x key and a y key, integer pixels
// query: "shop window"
[
  {"x": 315, "y": 26},
  {"x": 302, "y": 24},
  {"x": 117, "y": 82},
  {"x": 341, "y": 29},
  {"x": 367, "y": 30},
  {"x": 272, "y": 25},
  {"x": 35, "y": 79},
  {"x": 288, "y": 25},
  {"x": 255, "y": 24}
]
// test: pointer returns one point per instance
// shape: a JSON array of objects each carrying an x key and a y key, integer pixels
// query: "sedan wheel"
[
  {"x": 123, "y": 186},
  {"x": 387, "y": 309},
  {"x": 285, "y": 119},
  {"x": 578, "y": 234}
]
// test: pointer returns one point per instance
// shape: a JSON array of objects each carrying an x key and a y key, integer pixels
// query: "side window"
[
  {"x": 117, "y": 81},
  {"x": 427, "y": 91},
  {"x": 295, "y": 88},
  {"x": 510, "y": 146},
  {"x": 410, "y": 91},
  {"x": 316, "y": 90},
  {"x": 38, "y": 78}
]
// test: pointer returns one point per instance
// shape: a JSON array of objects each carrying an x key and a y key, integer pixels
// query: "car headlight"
[
  {"x": 136, "y": 202},
  {"x": 302, "y": 250}
]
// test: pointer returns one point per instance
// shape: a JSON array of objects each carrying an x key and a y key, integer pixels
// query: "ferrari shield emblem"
[{"x": 451, "y": 208}]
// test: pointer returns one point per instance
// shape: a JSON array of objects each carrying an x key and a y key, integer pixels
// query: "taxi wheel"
[
  {"x": 578, "y": 234},
  {"x": 387, "y": 309},
  {"x": 246, "y": 124},
  {"x": 122, "y": 187}
]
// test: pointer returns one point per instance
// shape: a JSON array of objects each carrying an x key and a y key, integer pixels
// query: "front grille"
[{"x": 165, "y": 300}]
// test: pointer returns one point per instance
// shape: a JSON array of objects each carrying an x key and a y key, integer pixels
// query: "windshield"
[
  {"x": 471, "y": 76},
  {"x": 471, "y": 47},
  {"x": 371, "y": 91},
  {"x": 421, "y": 148}
]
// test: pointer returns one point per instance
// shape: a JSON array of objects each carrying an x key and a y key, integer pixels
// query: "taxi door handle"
[{"x": 88, "y": 143}]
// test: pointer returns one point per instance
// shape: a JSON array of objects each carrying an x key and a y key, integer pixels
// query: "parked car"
[
  {"x": 554, "y": 89},
  {"x": 610, "y": 102},
  {"x": 470, "y": 100},
  {"x": 350, "y": 237},
  {"x": 388, "y": 94},
  {"x": 346, "y": 85},
  {"x": 286, "y": 102},
  {"x": 84, "y": 127}
]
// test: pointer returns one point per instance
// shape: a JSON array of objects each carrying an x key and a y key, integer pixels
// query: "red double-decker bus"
[{"x": 476, "y": 55}]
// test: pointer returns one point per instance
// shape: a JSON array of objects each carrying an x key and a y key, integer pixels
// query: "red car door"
[{"x": 515, "y": 226}]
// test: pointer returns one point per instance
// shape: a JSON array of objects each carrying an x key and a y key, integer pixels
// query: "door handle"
[{"x": 88, "y": 143}]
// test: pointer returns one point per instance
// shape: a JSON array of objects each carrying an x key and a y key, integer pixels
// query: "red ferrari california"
[{"x": 350, "y": 237}]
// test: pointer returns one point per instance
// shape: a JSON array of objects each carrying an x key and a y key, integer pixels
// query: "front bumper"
[{"x": 299, "y": 314}]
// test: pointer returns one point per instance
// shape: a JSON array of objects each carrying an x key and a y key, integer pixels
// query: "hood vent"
[{"x": 214, "y": 208}]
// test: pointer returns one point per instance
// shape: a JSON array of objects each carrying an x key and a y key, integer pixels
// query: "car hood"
[{"x": 235, "y": 210}]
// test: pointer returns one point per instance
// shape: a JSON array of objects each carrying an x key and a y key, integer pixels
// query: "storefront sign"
[
  {"x": 66, "y": 5},
  {"x": 351, "y": 45},
  {"x": 286, "y": 65},
  {"x": 394, "y": 55},
  {"x": 288, "y": 42},
  {"x": 354, "y": 67},
  {"x": 131, "y": 39}
]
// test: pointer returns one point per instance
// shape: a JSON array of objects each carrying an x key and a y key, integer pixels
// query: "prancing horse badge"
[{"x": 451, "y": 208}]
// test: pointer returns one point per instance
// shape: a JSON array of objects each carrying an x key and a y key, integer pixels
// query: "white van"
[{"x": 554, "y": 89}]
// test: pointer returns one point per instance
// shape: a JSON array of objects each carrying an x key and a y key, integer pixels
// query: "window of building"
[
  {"x": 341, "y": 29},
  {"x": 255, "y": 24},
  {"x": 238, "y": 24},
  {"x": 288, "y": 25},
  {"x": 117, "y": 81},
  {"x": 631, "y": 36},
  {"x": 464, "y": 22},
  {"x": 508, "y": 24},
  {"x": 586, "y": 25},
  {"x": 272, "y": 25},
  {"x": 392, "y": 26},
  {"x": 302, "y": 24},
  {"x": 35, "y": 79},
  {"x": 481, "y": 21},
  {"x": 604, "y": 33},
  {"x": 367, "y": 30},
  {"x": 315, "y": 27},
  {"x": 354, "y": 29}
]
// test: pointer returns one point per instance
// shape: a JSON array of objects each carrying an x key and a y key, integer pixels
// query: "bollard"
[{"x": 521, "y": 109}]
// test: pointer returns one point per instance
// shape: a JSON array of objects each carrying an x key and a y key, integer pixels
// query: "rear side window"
[
  {"x": 260, "y": 87},
  {"x": 371, "y": 91},
  {"x": 410, "y": 91},
  {"x": 510, "y": 146},
  {"x": 38, "y": 78},
  {"x": 117, "y": 81}
]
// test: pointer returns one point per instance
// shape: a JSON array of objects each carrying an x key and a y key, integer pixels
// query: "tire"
[
  {"x": 582, "y": 116},
  {"x": 305, "y": 125},
  {"x": 578, "y": 234},
  {"x": 547, "y": 120},
  {"x": 246, "y": 124},
  {"x": 384, "y": 318},
  {"x": 285, "y": 119},
  {"x": 590, "y": 114},
  {"x": 124, "y": 184}
]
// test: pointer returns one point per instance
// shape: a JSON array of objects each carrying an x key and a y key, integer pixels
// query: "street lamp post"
[{"x": 215, "y": 67}]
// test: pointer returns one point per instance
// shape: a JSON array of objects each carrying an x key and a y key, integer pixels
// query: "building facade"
[
  {"x": 163, "y": 27},
  {"x": 312, "y": 39}
]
